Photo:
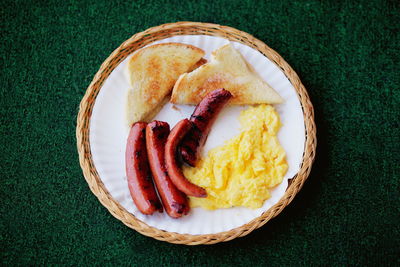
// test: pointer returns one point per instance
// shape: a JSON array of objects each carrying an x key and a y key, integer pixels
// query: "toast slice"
[
  {"x": 226, "y": 69},
  {"x": 153, "y": 72}
]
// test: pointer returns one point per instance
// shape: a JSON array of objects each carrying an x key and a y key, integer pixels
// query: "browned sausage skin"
[
  {"x": 203, "y": 118},
  {"x": 140, "y": 182},
  {"x": 174, "y": 171},
  {"x": 175, "y": 202}
]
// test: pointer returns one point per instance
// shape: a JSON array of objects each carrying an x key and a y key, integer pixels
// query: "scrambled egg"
[{"x": 241, "y": 172}]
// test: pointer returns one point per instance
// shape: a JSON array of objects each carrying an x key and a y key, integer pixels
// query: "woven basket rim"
[{"x": 163, "y": 31}]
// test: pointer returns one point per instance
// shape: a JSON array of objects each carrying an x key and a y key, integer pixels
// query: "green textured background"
[{"x": 345, "y": 52}]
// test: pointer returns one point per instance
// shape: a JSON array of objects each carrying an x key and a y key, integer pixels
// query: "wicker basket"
[{"x": 161, "y": 32}]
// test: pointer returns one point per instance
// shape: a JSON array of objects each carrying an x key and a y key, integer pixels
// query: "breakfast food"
[
  {"x": 239, "y": 173},
  {"x": 202, "y": 61},
  {"x": 174, "y": 171},
  {"x": 153, "y": 72},
  {"x": 203, "y": 118},
  {"x": 226, "y": 69},
  {"x": 138, "y": 172},
  {"x": 242, "y": 170},
  {"x": 175, "y": 202}
]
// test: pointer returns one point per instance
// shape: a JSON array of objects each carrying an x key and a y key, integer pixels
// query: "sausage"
[
  {"x": 140, "y": 182},
  {"x": 174, "y": 171},
  {"x": 175, "y": 202},
  {"x": 203, "y": 118}
]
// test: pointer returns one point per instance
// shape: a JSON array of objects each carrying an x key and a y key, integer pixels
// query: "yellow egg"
[{"x": 244, "y": 168}]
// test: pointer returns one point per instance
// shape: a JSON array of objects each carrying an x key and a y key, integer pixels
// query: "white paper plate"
[{"x": 108, "y": 135}]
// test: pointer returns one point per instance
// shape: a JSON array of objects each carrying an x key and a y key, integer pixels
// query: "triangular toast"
[
  {"x": 226, "y": 69},
  {"x": 153, "y": 72}
]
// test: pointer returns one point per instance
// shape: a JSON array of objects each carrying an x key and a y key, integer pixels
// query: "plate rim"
[{"x": 160, "y": 32}]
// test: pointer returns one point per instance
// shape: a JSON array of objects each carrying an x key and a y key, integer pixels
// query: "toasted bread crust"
[
  {"x": 226, "y": 69},
  {"x": 143, "y": 50},
  {"x": 153, "y": 72}
]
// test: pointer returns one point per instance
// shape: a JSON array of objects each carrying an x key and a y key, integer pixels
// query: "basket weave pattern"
[{"x": 142, "y": 39}]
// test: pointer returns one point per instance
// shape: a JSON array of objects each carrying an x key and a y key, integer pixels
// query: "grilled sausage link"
[
  {"x": 140, "y": 182},
  {"x": 203, "y": 118},
  {"x": 174, "y": 171},
  {"x": 175, "y": 202}
]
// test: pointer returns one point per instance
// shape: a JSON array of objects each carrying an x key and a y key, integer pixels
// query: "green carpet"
[{"x": 347, "y": 55}]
